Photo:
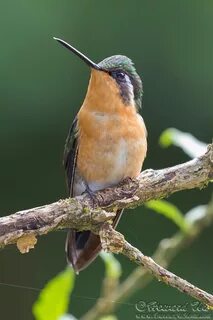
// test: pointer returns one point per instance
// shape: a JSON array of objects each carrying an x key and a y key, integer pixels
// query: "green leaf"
[
  {"x": 112, "y": 265},
  {"x": 166, "y": 138},
  {"x": 54, "y": 299},
  {"x": 170, "y": 211},
  {"x": 186, "y": 141}
]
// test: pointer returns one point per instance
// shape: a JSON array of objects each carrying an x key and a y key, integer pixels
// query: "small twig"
[
  {"x": 164, "y": 254},
  {"x": 114, "y": 241}
]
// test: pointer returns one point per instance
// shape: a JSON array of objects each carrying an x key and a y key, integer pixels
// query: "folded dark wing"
[{"x": 70, "y": 156}]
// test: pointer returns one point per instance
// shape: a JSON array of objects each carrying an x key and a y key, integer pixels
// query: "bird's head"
[{"x": 117, "y": 73}]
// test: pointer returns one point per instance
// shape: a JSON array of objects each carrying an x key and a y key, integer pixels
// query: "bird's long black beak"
[{"x": 78, "y": 53}]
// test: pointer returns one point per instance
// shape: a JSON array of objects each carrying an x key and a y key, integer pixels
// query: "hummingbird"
[{"x": 106, "y": 143}]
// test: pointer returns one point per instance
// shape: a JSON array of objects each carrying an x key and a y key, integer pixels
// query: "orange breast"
[
  {"x": 112, "y": 137},
  {"x": 110, "y": 147}
]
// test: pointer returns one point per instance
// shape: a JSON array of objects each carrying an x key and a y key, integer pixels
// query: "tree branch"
[{"x": 78, "y": 213}]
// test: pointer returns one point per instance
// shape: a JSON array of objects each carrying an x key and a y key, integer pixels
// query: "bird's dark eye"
[{"x": 118, "y": 75}]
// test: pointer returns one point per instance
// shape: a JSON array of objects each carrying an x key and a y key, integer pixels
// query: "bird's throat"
[{"x": 103, "y": 95}]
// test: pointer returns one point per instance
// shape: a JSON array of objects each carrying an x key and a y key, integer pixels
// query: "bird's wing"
[
  {"x": 70, "y": 155},
  {"x": 82, "y": 247}
]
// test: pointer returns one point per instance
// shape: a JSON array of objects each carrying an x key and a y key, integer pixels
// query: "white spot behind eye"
[{"x": 130, "y": 89}]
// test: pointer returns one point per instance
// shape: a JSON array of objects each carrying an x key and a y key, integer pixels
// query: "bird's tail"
[{"x": 82, "y": 247}]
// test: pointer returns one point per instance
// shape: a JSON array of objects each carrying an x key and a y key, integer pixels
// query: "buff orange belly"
[{"x": 113, "y": 150}]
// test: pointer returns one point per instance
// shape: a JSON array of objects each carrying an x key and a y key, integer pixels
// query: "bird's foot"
[{"x": 93, "y": 196}]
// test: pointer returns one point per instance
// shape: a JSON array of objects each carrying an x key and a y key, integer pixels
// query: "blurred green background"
[{"x": 43, "y": 86}]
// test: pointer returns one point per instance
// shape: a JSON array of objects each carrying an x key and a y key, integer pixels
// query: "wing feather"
[{"x": 70, "y": 155}]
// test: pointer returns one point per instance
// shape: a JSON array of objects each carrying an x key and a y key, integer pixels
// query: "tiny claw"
[{"x": 93, "y": 196}]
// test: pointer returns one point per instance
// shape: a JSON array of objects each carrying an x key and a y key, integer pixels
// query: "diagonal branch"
[
  {"x": 113, "y": 241},
  {"x": 78, "y": 212},
  {"x": 197, "y": 219}
]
